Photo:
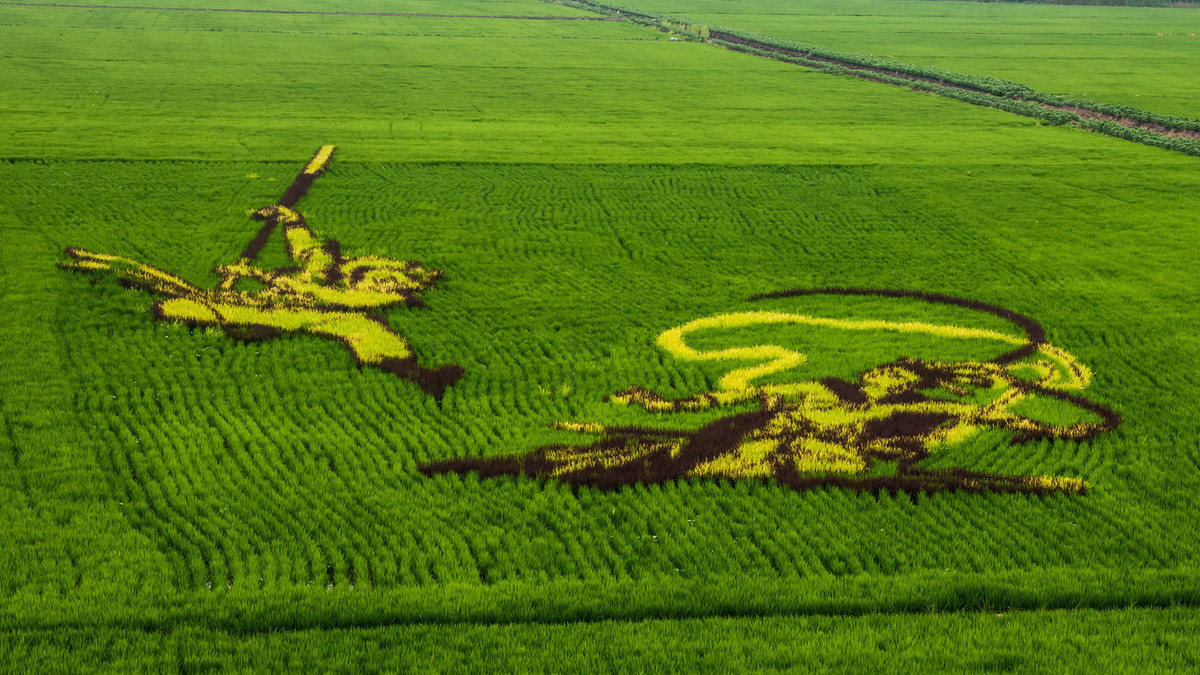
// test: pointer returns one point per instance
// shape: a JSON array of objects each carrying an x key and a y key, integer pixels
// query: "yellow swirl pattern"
[{"x": 777, "y": 359}]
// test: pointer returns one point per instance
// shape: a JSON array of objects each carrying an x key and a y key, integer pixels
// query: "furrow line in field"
[
  {"x": 352, "y": 537},
  {"x": 792, "y": 509},
  {"x": 728, "y": 505},
  {"x": 174, "y": 544},
  {"x": 204, "y": 495},
  {"x": 179, "y": 504},
  {"x": 607, "y": 560},
  {"x": 1012, "y": 533},
  {"x": 258, "y": 478},
  {"x": 336, "y": 531},
  {"x": 270, "y": 434},
  {"x": 209, "y": 492},
  {"x": 248, "y": 472},
  {"x": 151, "y": 503},
  {"x": 807, "y": 542},
  {"x": 684, "y": 538},
  {"x": 252, "y": 526}
]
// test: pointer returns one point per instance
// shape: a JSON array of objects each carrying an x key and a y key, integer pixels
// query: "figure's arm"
[
  {"x": 231, "y": 274},
  {"x": 304, "y": 247},
  {"x": 129, "y": 272}
]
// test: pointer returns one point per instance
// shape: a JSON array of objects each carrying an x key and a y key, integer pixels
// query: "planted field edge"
[{"x": 1170, "y": 132}]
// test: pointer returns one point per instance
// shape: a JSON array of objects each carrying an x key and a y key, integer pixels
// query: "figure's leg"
[
  {"x": 374, "y": 343},
  {"x": 129, "y": 272},
  {"x": 370, "y": 340},
  {"x": 653, "y": 402},
  {"x": 622, "y": 458}
]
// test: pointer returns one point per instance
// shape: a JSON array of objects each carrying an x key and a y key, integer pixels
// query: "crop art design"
[
  {"x": 323, "y": 293},
  {"x": 871, "y": 432}
]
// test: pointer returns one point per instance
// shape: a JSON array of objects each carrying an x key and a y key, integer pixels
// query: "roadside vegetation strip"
[
  {"x": 1181, "y": 134},
  {"x": 238, "y": 10}
]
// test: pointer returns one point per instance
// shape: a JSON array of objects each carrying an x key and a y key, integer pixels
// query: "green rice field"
[
  {"x": 588, "y": 348},
  {"x": 1144, "y": 57}
]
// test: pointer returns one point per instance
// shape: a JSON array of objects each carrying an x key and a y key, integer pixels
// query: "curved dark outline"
[{"x": 1033, "y": 330}]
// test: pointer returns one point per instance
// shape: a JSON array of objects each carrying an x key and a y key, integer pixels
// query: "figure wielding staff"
[{"x": 322, "y": 293}]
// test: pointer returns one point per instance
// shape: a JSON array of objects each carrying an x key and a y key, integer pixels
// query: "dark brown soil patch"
[
  {"x": 904, "y": 424},
  {"x": 848, "y": 392}
]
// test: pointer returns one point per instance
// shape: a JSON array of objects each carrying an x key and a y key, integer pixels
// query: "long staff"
[{"x": 273, "y": 214}]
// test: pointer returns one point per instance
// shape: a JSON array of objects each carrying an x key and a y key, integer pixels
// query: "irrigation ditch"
[{"x": 1181, "y": 134}]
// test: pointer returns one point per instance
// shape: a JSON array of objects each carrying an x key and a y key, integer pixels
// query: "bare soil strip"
[
  {"x": 1126, "y": 121},
  {"x": 316, "y": 12}
]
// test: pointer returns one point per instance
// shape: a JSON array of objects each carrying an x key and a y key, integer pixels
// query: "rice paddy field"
[
  {"x": 515, "y": 335},
  {"x": 1143, "y": 57}
]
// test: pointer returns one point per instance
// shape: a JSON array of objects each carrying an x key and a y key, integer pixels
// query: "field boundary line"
[
  {"x": 1181, "y": 134},
  {"x": 237, "y": 10}
]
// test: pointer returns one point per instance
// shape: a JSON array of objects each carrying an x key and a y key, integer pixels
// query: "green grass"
[
  {"x": 584, "y": 186},
  {"x": 575, "y": 92},
  {"x": 1135, "y": 56}
]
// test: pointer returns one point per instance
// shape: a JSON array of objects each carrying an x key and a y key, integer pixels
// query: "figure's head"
[{"x": 382, "y": 275}]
